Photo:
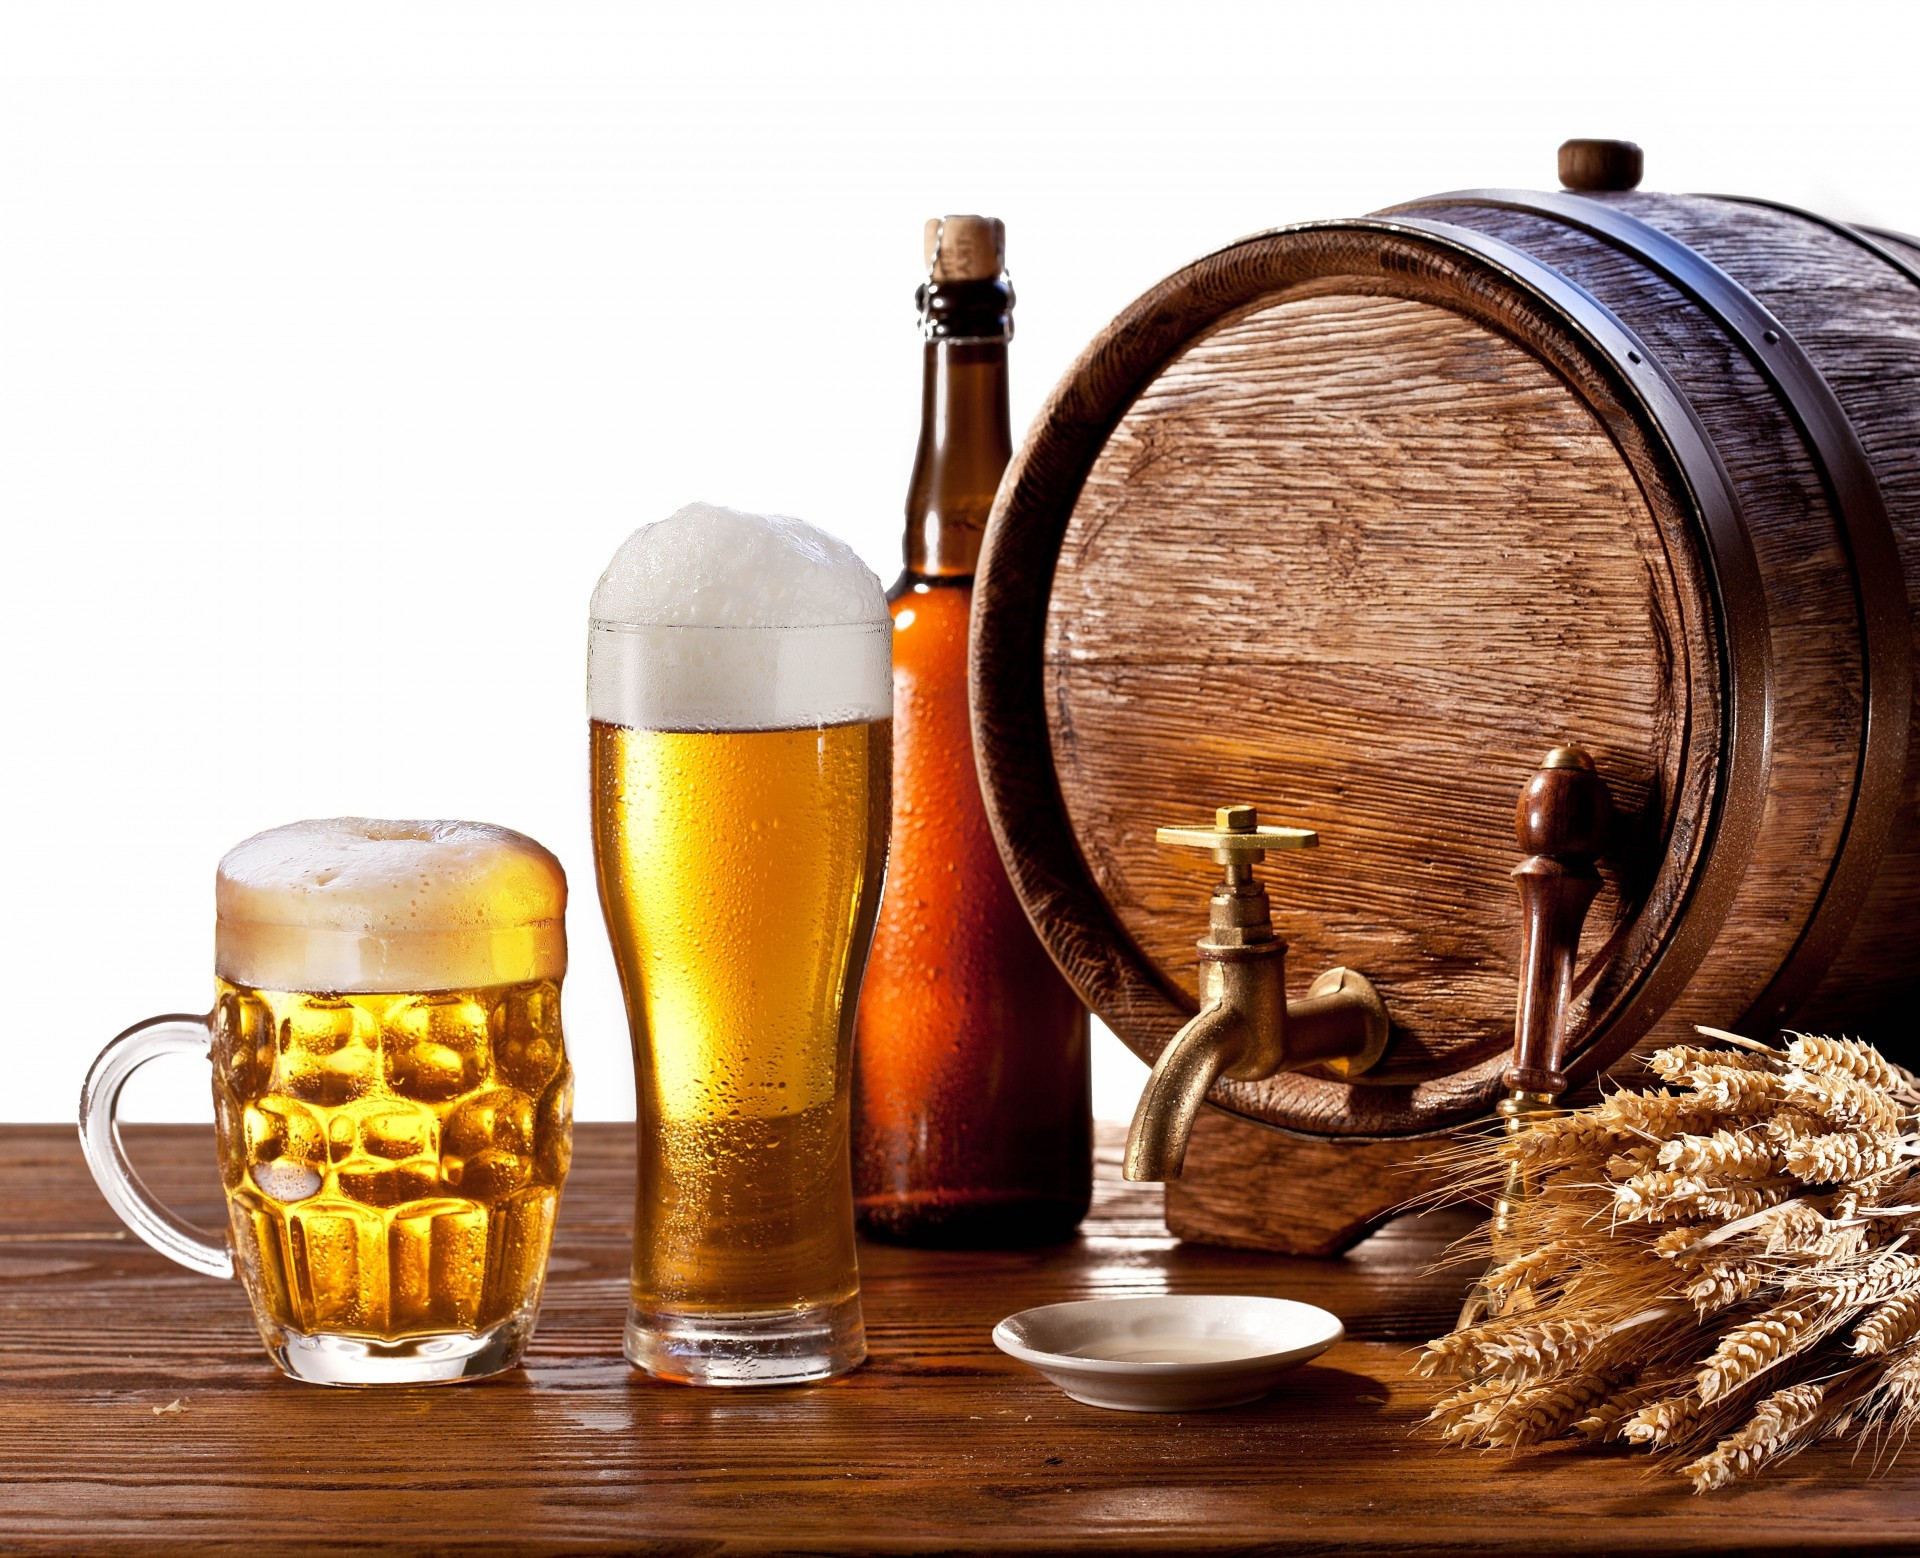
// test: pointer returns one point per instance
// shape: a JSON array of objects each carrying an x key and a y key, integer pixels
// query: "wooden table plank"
[{"x": 939, "y": 1444}]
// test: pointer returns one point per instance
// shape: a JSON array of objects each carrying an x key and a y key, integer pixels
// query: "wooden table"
[{"x": 940, "y": 1444}]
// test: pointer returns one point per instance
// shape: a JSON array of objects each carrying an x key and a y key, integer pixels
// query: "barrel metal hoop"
[
  {"x": 1866, "y": 532},
  {"x": 1730, "y": 832},
  {"x": 1888, "y": 235}
]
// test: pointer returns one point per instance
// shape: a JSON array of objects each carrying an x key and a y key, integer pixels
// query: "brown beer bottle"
[{"x": 972, "y": 1121}]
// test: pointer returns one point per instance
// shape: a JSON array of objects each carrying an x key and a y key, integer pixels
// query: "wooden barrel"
[{"x": 1355, "y": 520}]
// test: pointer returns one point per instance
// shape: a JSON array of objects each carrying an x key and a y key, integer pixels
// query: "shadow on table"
[{"x": 1318, "y": 1390}]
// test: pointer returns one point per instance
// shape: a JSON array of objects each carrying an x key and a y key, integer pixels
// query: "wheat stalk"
[
  {"x": 1714, "y": 1269},
  {"x": 1726, "y": 1202},
  {"x": 1855, "y": 1284},
  {"x": 1659, "y": 1113},
  {"x": 1895, "y": 1402},
  {"x": 1569, "y": 1138},
  {"x": 1610, "y": 1418},
  {"x": 1463, "y": 1414}
]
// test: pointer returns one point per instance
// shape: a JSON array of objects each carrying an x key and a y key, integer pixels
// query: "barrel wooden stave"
[
  {"x": 1805, "y": 794},
  {"x": 1876, "y": 968},
  {"x": 1858, "y": 320}
]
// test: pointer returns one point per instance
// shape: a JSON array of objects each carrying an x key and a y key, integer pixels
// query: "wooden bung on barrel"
[{"x": 1352, "y": 522}]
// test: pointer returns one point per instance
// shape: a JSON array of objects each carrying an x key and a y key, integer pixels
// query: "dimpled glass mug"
[{"x": 391, "y": 1095}]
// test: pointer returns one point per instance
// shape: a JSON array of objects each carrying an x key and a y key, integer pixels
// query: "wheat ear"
[
  {"x": 1735, "y": 1090},
  {"x": 1659, "y": 1113},
  {"x": 1848, "y": 1057},
  {"x": 1777, "y": 1422},
  {"x": 1889, "y": 1324},
  {"x": 1748, "y": 1351},
  {"x": 1537, "y": 1412},
  {"x": 1744, "y": 1154},
  {"x": 1723, "y": 1283},
  {"x": 1660, "y": 1422},
  {"x": 1841, "y": 1099},
  {"x": 1838, "y": 1157},
  {"x": 1673, "y": 1063}
]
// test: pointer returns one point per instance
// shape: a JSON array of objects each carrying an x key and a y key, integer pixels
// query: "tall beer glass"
[
  {"x": 740, "y": 696},
  {"x": 391, "y": 1095}
]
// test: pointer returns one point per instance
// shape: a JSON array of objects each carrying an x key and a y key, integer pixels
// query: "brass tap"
[
  {"x": 1520, "y": 1111},
  {"x": 1247, "y": 1028},
  {"x": 1561, "y": 821}
]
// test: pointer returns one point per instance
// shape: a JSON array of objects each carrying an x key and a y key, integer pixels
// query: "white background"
[{"x": 340, "y": 345}]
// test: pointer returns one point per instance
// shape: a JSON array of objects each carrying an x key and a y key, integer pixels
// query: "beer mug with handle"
[
  {"x": 741, "y": 700},
  {"x": 392, "y": 1100}
]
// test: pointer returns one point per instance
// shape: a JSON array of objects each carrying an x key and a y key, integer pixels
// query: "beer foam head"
[
  {"x": 715, "y": 619},
  {"x": 345, "y": 904}
]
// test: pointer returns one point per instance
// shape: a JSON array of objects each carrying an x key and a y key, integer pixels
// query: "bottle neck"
[{"x": 965, "y": 442}]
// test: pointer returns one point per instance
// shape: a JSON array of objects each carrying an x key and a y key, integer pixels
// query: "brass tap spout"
[
  {"x": 1188, "y": 1067},
  {"x": 1246, "y": 1028}
]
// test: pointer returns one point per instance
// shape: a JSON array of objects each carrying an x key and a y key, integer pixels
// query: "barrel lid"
[{"x": 1347, "y": 522}]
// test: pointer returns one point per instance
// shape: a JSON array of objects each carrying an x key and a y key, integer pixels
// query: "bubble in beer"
[
  {"x": 356, "y": 904},
  {"x": 716, "y": 619}
]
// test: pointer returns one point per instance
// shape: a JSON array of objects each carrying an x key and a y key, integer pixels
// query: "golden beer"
[
  {"x": 392, "y": 1162},
  {"x": 740, "y": 702},
  {"x": 741, "y": 872},
  {"x": 391, "y": 1091}
]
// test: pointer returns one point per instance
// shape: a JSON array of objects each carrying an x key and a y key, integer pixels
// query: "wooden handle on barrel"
[{"x": 1561, "y": 821}]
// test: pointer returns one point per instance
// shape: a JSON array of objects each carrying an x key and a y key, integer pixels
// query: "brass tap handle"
[
  {"x": 1238, "y": 837},
  {"x": 1561, "y": 821}
]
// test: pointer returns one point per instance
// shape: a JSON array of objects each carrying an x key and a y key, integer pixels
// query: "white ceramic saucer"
[{"x": 1176, "y": 1353}]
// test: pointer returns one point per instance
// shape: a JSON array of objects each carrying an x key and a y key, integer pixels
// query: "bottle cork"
[{"x": 965, "y": 248}]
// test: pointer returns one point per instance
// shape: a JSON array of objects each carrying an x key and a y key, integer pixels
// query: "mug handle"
[{"x": 169, "y": 1233}]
